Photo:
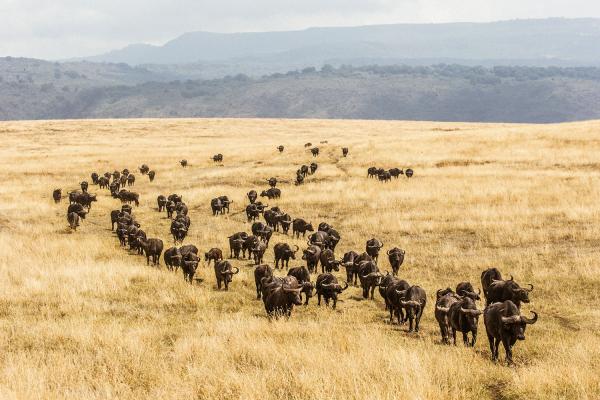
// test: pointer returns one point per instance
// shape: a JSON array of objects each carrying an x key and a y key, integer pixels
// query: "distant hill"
[
  {"x": 32, "y": 89},
  {"x": 565, "y": 42}
]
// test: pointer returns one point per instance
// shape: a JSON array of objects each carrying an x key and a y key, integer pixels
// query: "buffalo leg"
[{"x": 508, "y": 350}]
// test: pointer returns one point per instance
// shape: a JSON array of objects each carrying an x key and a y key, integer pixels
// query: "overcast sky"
[{"x": 68, "y": 28}]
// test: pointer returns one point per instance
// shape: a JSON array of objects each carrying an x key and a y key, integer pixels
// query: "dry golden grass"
[{"x": 82, "y": 318}]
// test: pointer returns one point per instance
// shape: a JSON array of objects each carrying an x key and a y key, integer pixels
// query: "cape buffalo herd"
[{"x": 456, "y": 311}]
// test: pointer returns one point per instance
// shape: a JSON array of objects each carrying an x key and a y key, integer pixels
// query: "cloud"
[{"x": 68, "y": 28}]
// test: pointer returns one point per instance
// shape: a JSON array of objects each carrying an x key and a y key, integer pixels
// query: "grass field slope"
[{"x": 82, "y": 318}]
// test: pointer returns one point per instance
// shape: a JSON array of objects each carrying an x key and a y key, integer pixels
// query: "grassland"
[{"x": 82, "y": 318}]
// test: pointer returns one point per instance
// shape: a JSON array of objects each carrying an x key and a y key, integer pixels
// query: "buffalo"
[
  {"x": 183, "y": 163},
  {"x": 445, "y": 299},
  {"x": 260, "y": 272},
  {"x": 272, "y": 193},
  {"x": 372, "y": 248},
  {"x": 73, "y": 219},
  {"x": 369, "y": 277},
  {"x": 314, "y": 151},
  {"x": 303, "y": 276},
  {"x": 272, "y": 182},
  {"x": 504, "y": 323},
  {"x": 94, "y": 177},
  {"x": 217, "y": 206},
  {"x": 396, "y": 258},
  {"x": 327, "y": 286},
  {"x": 351, "y": 268},
  {"x": 414, "y": 301},
  {"x": 57, "y": 195},
  {"x": 283, "y": 252},
  {"x": 151, "y": 175},
  {"x": 396, "y": 172},
  {"x": 130, "y": 180},
  {"x": 280, "y": 148},
  {"x": 172, "y": 258},
  {"x": 280, "y": 295},
  {"x": 217, "y": 158},
  {"x": 236, "y": 242},
  {"x": 84, "y": 186},
  {"x": 152, "y": 248},
  {"x": 464, "y": 316},
  {"x": 466, "y": 289},
  {"x": 328, "y": 261},
  {"x": 252, "y": 195},
  {"x": 144, "y": 169},
  {"x": 162, "y": 203},
  {"x": 224, "y": 273},
  {"x": 313, "y": 168},
  {"x": 214, "y": 254},
  {"x": 301, "y": 226},
  {"x": 344, "y": 151},
  {"x": 409, "y": 173},
  {"x": 312, "y": 255},
  {"x": 189, "y": 265},
  {"x": 394, "y": 294}
]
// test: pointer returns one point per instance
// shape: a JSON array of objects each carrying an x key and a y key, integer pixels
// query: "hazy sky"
[{"x": 67, "y": 28}]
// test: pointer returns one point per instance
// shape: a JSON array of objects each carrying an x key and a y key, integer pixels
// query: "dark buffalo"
[
  {"x": 272, "y": 193},
  {"x": 372, "y": 248},
  {"x": 304, "y": 170},
  {"x": 272, "y": 182},
  {"x": 170, "y": 207},
  {"x": 409, "y": 173},
  {"x": 123, "y": 180},
  {"x": 103, "y": 183},
  {"x": 280, "y": 148},
  {"x": 224, "y": 273},
  {"x": 466, "y": 289},
  {"x": 315, "y": 151},
  {"x": 371, "y": 172},
  {"x": 414, "y": 301},
  {"x": 172, "y": 258},
  {"x": 73, "y": 219},
  {"x": 226, "y": 202},
  {"x": 445, "y": 298},
  {"x": 313, "y": 168},
  {"x": 94, "y": 177},
  {"x": 369, "y": 277},
  {"x": 189, "y": 265},
  {"x": 258, "y": 251},
  {"x": 84, "y": 186},
  {"x": 236, "y": 242},
  {"x": 312, "y": 255},
  {"x": 280, "y": 295},
  {"x": 504, "y": 323},
  {"x": 328, "y": 261},
  {"x": 152, "y": 248},
  {"x": 487, "y": 277},
  {"x": 396, "y": 172},
  {"x": 57, "y": 195},
  {"x": 188, "y": 248},
  {"x": 328, "y": 287},
  {"x": 299, "y": 179},
  {"x": 303, "y": 276},
  {"x": 162, "y": 203},
  {"x": 144, "y": 169},
  {"x": 384, "y": 176},
  {"x": 396, "y": 258},
  {"x": 214, "y": 254},
  {"x": 307, "y": 144},
  {"x": 283, "y": 252},
  {"x": 351, "y": 267},
  {"x": 394, "y": 294},
  {"x": 77, "y": 208},
  {"x": 500, "y": 291},
  {"x": 464, "y": 316},
  {"x": 217, "y": 206},
  {"x": 183, "y": 163},
  {"x": 285, "y": 221},
  {"x": 130, "y": 180},
  {"x": 85, "y": 199},
  {"x": 217, "y": 157},
  {"x": 260, "y": 272},
  {"x": 301, "y": 226},
  {"x": 252, "y": 212},
  {"x": 151, "y": 175},
  {"x": 252, "y": 195},
  {"x": 344, "y": 151},
  {"x": 129, "y": 197}
]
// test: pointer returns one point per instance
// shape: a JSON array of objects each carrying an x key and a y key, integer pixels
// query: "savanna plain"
[{"x": 81, "y": 317}]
